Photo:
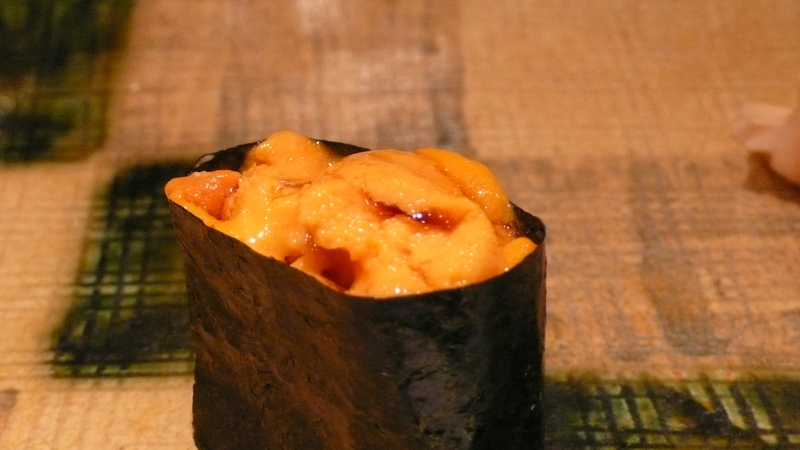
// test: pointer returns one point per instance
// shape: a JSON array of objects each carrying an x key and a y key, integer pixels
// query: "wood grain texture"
[
  {"x": 8, "y": 398},
  {"x": 379, "y": 74}
]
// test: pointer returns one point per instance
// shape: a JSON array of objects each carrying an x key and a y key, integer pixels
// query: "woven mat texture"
[{"x": 673, "y": 254}]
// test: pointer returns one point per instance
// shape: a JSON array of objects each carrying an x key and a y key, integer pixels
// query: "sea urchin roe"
[{"x": 380, "y": 223}]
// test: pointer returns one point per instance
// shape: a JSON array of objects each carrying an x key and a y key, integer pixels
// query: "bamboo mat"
[{"x": 673, "y": 288}]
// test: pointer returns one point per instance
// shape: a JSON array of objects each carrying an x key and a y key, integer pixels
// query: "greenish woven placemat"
[
  {"x": 130, "y": 312},
  {"x": 58, "y": 61},
  {"x": 648, "y": 413}
]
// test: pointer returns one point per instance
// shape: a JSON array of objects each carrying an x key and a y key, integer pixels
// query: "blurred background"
[{"x": 673, "y": 288}]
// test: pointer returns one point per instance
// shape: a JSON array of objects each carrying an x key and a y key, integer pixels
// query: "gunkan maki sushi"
[{"x": 345, "y": 298}]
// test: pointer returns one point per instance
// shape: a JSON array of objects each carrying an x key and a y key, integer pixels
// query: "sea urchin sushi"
[{"x": 345, "y": 298}]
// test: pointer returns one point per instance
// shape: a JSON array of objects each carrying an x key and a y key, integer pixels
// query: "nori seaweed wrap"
[{"x": 285, "y": 361}]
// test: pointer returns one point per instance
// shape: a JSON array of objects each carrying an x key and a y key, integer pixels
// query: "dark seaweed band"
[{"x": 286, "y": 362}]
